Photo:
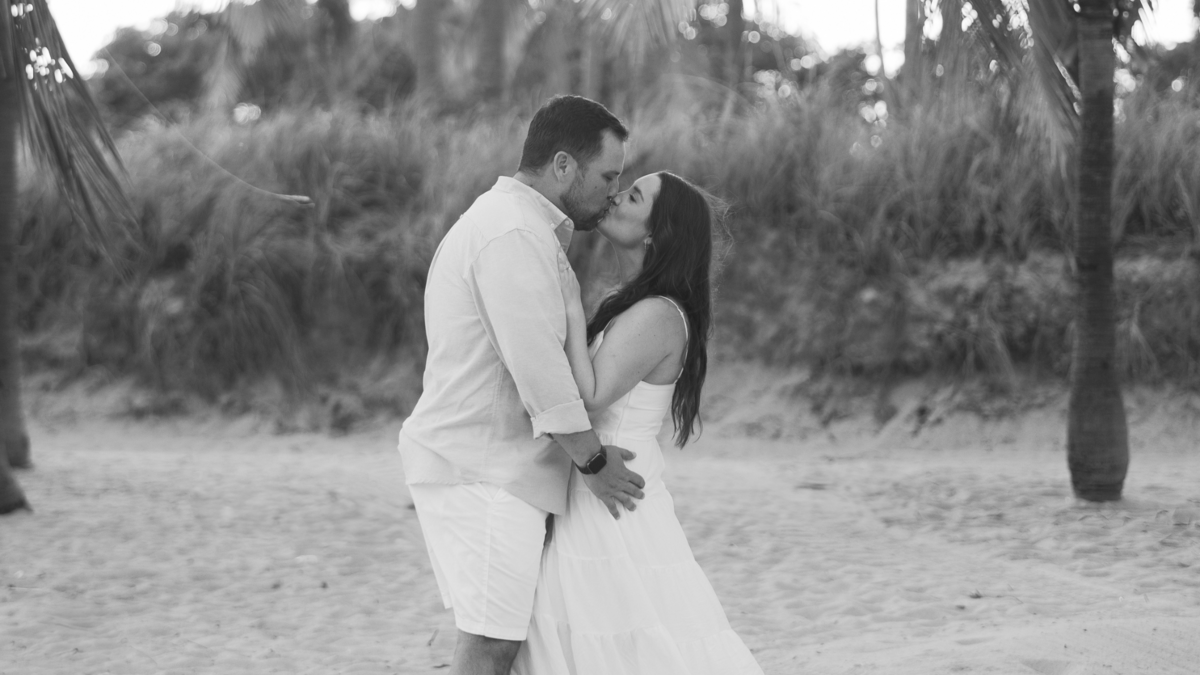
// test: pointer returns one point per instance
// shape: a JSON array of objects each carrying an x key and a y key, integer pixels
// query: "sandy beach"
[{"x": 910, "y": 547}]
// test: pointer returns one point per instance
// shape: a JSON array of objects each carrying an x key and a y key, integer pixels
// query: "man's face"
[{"x": 586, "y": 201}]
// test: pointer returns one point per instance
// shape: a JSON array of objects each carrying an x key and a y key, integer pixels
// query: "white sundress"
[{"x": 626, "y": 597}]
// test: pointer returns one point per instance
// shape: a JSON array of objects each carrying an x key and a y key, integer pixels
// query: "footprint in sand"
[{"x": 1046, "y": 667}]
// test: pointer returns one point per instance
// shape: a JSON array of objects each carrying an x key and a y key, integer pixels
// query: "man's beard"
[{"x": 583, "y": 220}]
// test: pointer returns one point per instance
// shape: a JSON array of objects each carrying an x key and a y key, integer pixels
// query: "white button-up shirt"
[{"x": 497, "y": 380}]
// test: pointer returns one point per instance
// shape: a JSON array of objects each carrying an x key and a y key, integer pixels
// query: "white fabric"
[
  {"x": 626, "y": 597},
  {"x": 485, "y": 546},
  {"x": 496, "y": 379}
]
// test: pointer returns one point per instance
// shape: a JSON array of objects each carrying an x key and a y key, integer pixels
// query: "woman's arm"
[
  {"x": 577, "y": 346},
  {"x": 647, "y": 337}
]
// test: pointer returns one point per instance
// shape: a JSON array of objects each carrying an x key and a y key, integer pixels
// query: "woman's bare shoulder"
[{"x": 653, "y": 313}]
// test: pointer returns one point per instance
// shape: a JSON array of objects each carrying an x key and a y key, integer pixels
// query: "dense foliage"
[{"x": 874, "y": 233}]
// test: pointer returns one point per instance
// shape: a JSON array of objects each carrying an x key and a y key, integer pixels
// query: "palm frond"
[
  {"x": 997, "y": 32},
  {"x": 1004, "y": 30},
  {"x": 1056, "y": 56},
  {"x": 637, "y": 25},
  {"x": 253, "y": 25},
  {"x": 1055, "y": 47},
  {"x": 60, "y": 121},
  {"x": 1129, "y": 14},
  {"x": 223, "y": 82},
  {"x": 247, "y": 29}
]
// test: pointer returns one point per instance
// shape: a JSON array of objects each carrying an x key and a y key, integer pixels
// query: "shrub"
[{"x": 867, "y": 242}]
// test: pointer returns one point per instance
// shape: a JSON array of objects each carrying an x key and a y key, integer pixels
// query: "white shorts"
[{"x": 485, "y": 546}]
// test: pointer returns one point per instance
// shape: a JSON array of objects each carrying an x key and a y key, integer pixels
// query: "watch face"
[{"x": 595, "y": 464}]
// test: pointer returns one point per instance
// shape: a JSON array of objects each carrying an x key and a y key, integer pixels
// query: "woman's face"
[{"x": 628, "y": 220}]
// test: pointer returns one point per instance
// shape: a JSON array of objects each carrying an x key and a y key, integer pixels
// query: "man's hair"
[{"x": 571, "y": 124}]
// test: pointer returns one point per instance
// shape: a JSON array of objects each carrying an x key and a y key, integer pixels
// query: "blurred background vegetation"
[{"x": 885, "y": 225}]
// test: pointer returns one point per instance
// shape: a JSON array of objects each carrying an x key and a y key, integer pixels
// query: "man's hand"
[{"x": 614, "y": 483}]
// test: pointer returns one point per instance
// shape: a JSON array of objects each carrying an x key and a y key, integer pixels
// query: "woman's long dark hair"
[{"x": 677, "y": 265}]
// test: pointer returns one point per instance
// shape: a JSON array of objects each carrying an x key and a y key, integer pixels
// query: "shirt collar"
[{"x": 563, "y": 227}]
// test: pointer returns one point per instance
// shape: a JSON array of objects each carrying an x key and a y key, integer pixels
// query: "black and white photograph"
[{"x": 600, "y": 337}]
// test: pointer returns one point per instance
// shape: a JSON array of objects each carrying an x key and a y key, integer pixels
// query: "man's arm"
[
  {"x": 515, "y": 285},
  {"x": 517, "y": 292},
  {"x": 614, "y": 483}
]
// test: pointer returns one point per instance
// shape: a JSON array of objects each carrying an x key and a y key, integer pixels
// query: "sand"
[{"x": 194, "y": 546}]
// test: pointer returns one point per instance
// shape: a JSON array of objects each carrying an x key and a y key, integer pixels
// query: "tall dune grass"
[
  {"x": 223, "y": 281},
  {"x": 937, "y": 238},
  {"x": 934, "y": 239}
]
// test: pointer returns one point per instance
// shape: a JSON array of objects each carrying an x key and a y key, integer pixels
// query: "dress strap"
[
  {"x": 686, "y": 331},
  {"x": 682, "y": 315}
]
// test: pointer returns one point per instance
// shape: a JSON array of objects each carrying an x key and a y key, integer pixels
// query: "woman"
[{"x": 625, "y": 596}]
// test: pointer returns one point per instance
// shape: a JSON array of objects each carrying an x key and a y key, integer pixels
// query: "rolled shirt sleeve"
[{"x": 515, "y": 281}]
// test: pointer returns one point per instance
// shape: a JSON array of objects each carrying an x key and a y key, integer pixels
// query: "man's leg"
[
  {"x": 485, "y": 546},
  {"x": 479, "y": 655}
]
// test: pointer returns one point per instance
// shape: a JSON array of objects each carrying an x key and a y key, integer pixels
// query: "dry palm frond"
[
  {"x": 634, "y": 26},
  {"x": 60, "y": 120}
]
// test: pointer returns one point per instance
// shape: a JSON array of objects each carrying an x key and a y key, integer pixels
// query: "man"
[{"x": 477, "y": 450}]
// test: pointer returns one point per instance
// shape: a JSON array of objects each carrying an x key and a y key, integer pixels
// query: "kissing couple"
[{"x": 532, "y": 455}]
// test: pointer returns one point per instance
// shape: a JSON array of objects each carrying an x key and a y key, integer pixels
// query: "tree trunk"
[
  {"x": 879, "y": 39},
  {"x": 953, "y": 59},
  {"x": 336, "y": 34},
  {"x": 1097, "y": 436},
  {"x": 489, "y": 68},
  {"x": 734, "y": 60},
  {"x": 914, "y": 26},
  {"x": 591, "y": 64},
  {"x": 1195, "y": 38},
  {"x": 338, "y": 12},
  {"x": 558, "y": 29},
  {"x": 950, "y": 51},
  {"x": 429, "y": 46},
  {"x": 14, "y": 441}
]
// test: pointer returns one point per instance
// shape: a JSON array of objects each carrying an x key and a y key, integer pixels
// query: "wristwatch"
[{"x": 595, "y": 464}]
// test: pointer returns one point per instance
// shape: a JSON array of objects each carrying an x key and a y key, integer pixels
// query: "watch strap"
[{"x": 595, "y": 463}]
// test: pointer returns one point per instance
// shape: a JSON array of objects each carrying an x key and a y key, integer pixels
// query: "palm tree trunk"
[
  {"x": 338, "y": 12},
  {"x": 591, "y": 64},
  {"x": 879, "y": 38},
  {"x": 914, "y": 27},
  {"x": 1195, "y": 65},
  {"x": 429, "y": 46},
  {"x": 489, "y": 69},
  {"x": 333, "y": 46},
  {"x": 1097, "y": 436},
  {"x": 14, "y": 441},
  {"x": 952, "y": 59},
  {"x": 733, "y": 37},
  {"x": 733, "y": 59},
  {"x": 950, "y": 54},
  {"x": 558, "y": 29}
]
